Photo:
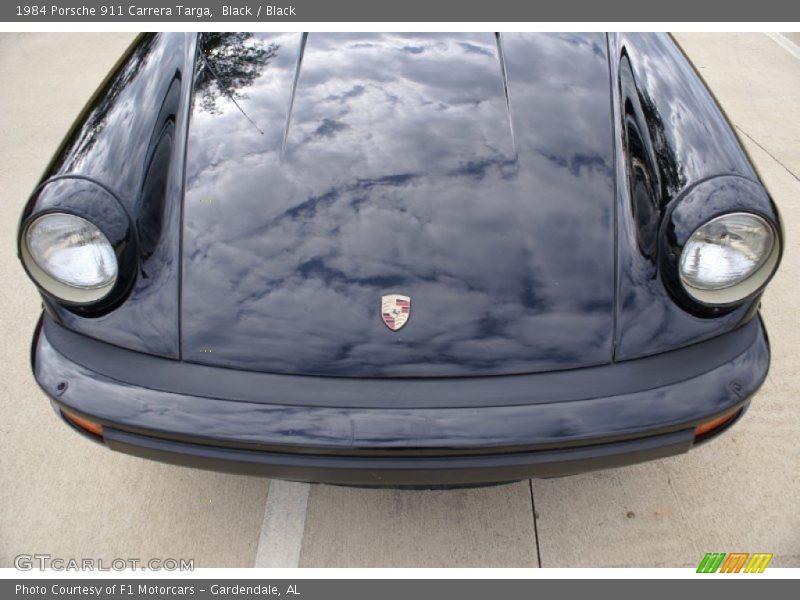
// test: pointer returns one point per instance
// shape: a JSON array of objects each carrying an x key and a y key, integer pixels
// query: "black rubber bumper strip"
[
  {"x": 377, "y": 471},
  {"x": 169, "y": 375},
  {"x": 132, "y": 403}
]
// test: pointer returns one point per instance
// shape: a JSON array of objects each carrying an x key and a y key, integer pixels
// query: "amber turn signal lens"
[
  {"x": 85, "y": 424},
  {"x": 708, "y": 427}
]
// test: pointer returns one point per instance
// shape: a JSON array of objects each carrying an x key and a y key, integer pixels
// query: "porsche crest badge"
[{"x": 395, "y": 310}]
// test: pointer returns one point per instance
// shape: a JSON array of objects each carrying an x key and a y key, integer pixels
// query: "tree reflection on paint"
[{"x": 228, "y": 63}]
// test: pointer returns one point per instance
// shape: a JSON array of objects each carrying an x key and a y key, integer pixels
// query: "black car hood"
[{"x": 472, "y": 173}]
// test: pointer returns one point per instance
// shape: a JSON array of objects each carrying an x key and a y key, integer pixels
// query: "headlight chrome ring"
[
  {"x": 69, "y": 257},
  {"x": 728, "y": 258}
]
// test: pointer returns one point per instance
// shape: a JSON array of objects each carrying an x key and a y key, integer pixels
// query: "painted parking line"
[
  {"x": 785, "y": 43},
  {"x": 284, "y": 525}
]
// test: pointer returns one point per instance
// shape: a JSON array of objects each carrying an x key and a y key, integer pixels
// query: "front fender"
[
  {"x": 130, "y": 141},
  {"x": 670, "y": 135}
]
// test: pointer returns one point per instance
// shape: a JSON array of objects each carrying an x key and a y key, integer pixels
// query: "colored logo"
[
  {"x": 735, "y": 562},
  {"x": 395, "y": 310}
]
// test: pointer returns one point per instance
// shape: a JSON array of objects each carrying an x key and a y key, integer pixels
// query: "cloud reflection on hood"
[{"x": 400, "y": 175}]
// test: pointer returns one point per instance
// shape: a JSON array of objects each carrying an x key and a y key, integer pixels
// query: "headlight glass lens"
[
  {"x": 726, "y": 251},
  {"x": 72, "y": 251}
]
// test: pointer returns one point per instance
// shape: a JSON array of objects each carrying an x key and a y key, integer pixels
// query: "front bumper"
[{"x": 390, "y": 432}]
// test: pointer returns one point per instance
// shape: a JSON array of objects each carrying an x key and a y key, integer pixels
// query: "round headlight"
[
  {"x": 728, "y": 258},
  {"x": 69, "y": 257}
]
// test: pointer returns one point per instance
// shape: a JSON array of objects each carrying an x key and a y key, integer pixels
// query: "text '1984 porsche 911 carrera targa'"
[{"x": 401, "y": 259}]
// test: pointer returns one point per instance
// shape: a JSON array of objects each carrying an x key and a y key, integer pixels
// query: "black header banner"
[{"x": 464, "y": 11}]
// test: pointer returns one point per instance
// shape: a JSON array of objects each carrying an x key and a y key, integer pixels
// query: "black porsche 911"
[{"x": 392, "y": 260}]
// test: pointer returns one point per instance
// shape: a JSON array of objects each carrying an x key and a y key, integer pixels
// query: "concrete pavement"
[{"x": 61, "y": 495}]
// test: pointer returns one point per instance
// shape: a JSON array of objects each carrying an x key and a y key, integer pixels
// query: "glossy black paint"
[
  {"x": 530, "y": 192},
  {"x": 138, "y": 405},
  {"x": 553, "y": 387},
  {"x": 130, "y": 141},
  {"x": 670, "y": 136},
  {"x": 66, "y": 368},
  {"x": 403, "y": 168},
  {"x": 483, "y": 175}
]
